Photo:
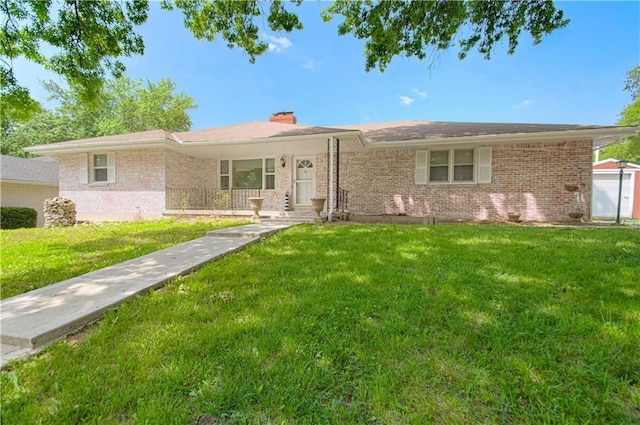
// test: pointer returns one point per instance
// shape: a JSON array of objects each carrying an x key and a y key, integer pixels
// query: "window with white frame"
[
  {"x": 453, "y": 165},
  {"x": 248, "y": 173},
  {"x": 98, "y": 167},
  {"x": 99, "y": 170}
]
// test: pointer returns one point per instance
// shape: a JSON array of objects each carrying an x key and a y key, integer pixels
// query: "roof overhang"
[
  {"x": 310, "y": 144},
  {"x": 599, "y": 136},
  {"x": 351, "y": 140},
  {"x": 28, "y": 182}
]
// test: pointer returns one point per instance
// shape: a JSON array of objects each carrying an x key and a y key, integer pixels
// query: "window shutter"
[
  {"x": 421, "y": 167},
  {"x": 84, "y": 169},
  {"x": 111, "y": 167},
  {"x": 484, "y": 165}
]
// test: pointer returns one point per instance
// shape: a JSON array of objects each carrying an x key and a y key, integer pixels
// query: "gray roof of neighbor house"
[{"x": 39, "y": 170}]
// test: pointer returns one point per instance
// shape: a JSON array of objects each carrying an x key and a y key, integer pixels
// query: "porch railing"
[
  {"x": 210, "y": 199},
  {"x": 188, "y": 199},
  {"x": 234, "y": 199},
  {"x": 342, "y": 203}
]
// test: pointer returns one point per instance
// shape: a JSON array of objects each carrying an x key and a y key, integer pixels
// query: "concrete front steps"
[{"x": 37, "y": 318}]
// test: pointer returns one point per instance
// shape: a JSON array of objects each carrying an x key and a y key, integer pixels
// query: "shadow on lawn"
[
  {"x": 103, "y": 246},
  {"x": 380, "y": 324},
  {"x": 431, "y": 325}
]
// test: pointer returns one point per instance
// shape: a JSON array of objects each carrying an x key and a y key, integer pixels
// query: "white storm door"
[{"x": 305, "y": 180}]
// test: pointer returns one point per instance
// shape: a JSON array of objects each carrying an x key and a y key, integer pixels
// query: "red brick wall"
[{"x": 528, "y": 178}]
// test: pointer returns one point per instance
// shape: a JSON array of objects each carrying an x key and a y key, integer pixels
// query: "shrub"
[{"x": 16, "y": 217}]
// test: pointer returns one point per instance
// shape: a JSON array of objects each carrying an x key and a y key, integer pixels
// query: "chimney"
[{"x": 285, "y": 117}]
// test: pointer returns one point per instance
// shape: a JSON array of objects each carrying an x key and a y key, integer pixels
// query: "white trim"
[
  {"x": 484, "y": 165},
  {"x": 111, "y": 167},
  {"x": 163, "y": 142},
  {"x": 332, "y": 179},
  {"x": 83, "y": 160},
  {"x": 246, "y": 158},
  {"x": 294, "y": 167},
  {"x": 423, "y": 165},
  {"x": 632, "y": 191}
]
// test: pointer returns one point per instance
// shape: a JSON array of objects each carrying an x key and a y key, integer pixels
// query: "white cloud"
[
  {"x": 524, "y": 104},
  {"x": 419, "y": 92},
  {"x": 310, "y": 64},
  {"x": 406, "y": 100},
  {"x": 277, "y": 44}
]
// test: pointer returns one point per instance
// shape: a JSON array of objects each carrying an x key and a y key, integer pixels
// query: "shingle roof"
[
  {"x": 127, "y": 137},
  {"x": 39, "y": 170},
  {"x": 376, "y": 132},
  {"x": 419, "y": 130},
  {"x": 253, "y": 130}
]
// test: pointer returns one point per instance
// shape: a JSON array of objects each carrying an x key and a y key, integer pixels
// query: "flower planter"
[
  {"x": 256, "y": 206},
  {"x": 317, "y": 205},
  {"x": 514, "y": 218},
  {"x": 576, "y": 215}
]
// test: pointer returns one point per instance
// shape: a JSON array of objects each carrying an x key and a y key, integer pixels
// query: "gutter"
[
  {"x": 53, "y": 148},
  {"x": 616, "y": 133}
]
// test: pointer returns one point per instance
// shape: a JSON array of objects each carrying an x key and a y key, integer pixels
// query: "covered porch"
[{"x": 287, "y": 171}]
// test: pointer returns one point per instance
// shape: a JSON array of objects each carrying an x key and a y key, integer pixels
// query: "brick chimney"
[{"x": 285, "y": 117}]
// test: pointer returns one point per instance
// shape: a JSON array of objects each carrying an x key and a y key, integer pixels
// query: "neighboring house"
[
  {"x": 470, "y": 171},
  {"x": 606, "y": 188},
  {"x": 28, "y": 182}
]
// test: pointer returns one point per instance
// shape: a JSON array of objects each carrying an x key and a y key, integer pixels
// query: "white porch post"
[{"x": 331, "y": 182}]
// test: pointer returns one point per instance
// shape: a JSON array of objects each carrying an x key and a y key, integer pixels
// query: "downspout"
[
  {"x": 328, "y": 155},
  {"x": 331, "y": 204},
  {"x": 337, "y": 173}
]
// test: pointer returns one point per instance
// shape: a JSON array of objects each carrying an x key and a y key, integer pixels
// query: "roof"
[
  {"x": 253, "y": 130},
  {"x": 612, "y": 164},
  {"x": 425, "y": 130},
  {"x": 356, "y": 136},
  {"x": 39, "y": 170}
]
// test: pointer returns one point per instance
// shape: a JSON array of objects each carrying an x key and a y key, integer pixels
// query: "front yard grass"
[
  {"x": 33, "y": 258},
  {"x": 364, "y": 324}
]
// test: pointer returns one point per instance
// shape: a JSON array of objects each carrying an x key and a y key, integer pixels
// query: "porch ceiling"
[{"x": 266, "y": 147}]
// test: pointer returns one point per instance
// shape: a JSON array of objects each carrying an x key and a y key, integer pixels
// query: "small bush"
[{"x": 16, "y": 217}]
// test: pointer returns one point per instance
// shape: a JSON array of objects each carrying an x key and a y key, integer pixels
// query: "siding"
[{"x": 27, "y": 195}]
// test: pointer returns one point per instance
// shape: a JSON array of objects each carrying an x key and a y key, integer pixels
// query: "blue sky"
[{"x": 576, "y": 75}]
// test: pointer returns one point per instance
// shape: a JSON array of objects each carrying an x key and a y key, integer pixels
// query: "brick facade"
[
  {"x": 527, "y": 178},
  {"x": 138, "y": 191}
]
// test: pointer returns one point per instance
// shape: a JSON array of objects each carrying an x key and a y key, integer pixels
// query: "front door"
[{"x": 305, "y": 180}]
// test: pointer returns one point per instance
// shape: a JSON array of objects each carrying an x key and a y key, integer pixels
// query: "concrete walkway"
[{"x": 37, "y": 318}]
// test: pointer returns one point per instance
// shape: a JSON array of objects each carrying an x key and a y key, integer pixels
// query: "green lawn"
[
  {"x": 365, "y": 324},
  {"x": 33, "y": 258}
]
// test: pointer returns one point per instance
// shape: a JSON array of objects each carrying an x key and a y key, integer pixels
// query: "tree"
[
  {"x": 90, "y": 37},
  {"x": 628, "y": 148},
  {"x": 123, "y": 106}
]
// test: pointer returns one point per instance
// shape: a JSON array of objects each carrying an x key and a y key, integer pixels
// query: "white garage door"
[{"x": 605, "y": 195}]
